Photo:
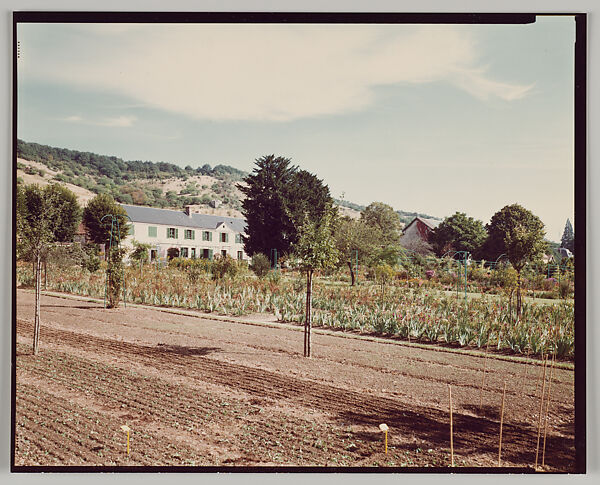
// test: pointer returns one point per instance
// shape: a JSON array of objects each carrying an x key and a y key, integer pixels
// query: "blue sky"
[{"x": 428, "y": 118}]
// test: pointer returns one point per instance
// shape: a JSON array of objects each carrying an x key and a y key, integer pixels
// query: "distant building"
[
  {"x": 185, "y": 233},
  {"x": 565, "y": 253},
  {"x": 419, "y": 230},
  {"x": 80, "y": 235}
]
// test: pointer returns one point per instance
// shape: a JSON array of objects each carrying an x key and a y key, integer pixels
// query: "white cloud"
[
  {"x": 119, "y": 121},
  {"x": 267, "y": 72},
  {"x": 72, "y": 119}
]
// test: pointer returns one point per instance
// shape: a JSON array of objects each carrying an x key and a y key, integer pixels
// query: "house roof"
[
  {"x": 431, "y": 223},
  {"x": 151, "y": 215}
]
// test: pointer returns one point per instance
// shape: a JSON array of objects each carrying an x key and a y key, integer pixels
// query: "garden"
[{"x": 425, "y": 300}]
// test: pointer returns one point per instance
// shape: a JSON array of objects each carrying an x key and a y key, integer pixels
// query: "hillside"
[{"x": 155, "y": 184}]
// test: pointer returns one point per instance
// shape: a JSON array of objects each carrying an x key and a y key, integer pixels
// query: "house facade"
[
  {"x": 172, "y": 233},
  {"x": 419, "y": 230}
]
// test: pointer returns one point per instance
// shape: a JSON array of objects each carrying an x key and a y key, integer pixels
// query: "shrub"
[
  {"x": 260, "y": 265},
  {"x": 224, "y": 266},
  {"x": 564, "y": 289},
  {"x": 115, "y": 277}
]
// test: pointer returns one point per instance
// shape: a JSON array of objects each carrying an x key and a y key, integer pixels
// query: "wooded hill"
[{"x": 156, "y": 184}]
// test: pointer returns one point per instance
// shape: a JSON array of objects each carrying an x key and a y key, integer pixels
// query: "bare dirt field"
[{"x": 198, "y": 391}]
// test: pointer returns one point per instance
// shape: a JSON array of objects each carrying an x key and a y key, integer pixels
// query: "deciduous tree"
[
  {"x": 520, "y": 234},
  {"x": 99, "y": 229},
  {"x": 44, "y": 216},
  {"x": 460, "y": 233},
  {"x": 382, "y": 217},
  {"x": 314, "y": 250}
]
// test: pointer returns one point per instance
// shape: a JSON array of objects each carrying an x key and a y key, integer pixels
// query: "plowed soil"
[{"x": 196, "y": 391}]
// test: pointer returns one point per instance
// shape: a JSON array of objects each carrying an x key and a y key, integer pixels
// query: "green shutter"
[
  {"x": 210, "y": 254},
  {"x": 176, "y": 233},
  {"x": 226, "y": 237},
  {"x": 131, "y": 230},
  {"x": 193, "y": 235},
  {"x": 151, "y": 231},
  {"x": 210, "y": 239}
]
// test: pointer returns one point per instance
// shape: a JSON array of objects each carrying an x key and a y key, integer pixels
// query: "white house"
[{"x": 188, "y": 234}]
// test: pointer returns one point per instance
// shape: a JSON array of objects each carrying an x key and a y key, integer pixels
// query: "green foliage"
[
  {"x": 277, "y": 198},
  {"x": 518, "y": 233},
  {"x": 315, "y": 249},
  {"x": 99, "y": 230},
  {"x": 224, "y": 266},
  {"x": 110, "y": 175},
  {"x": 260, "y": 265},
  {"x": 522, "y": 233},
  {"x": 383, "y": 273},
  {"x": 141, "y": 251},
  {"x": 114, "y": 274},
  {"x": 91, "y": 261},
  {"x": 568, "y": 237},
  {"x": 351, "y": 235},
  {"x": 458, "y": 233},
  {"x": 382, "y": 219},
  {"x": 44, "y": 215}
]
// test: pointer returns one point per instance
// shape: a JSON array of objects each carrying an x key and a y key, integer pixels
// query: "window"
[
  {"x": 172, "y": 233},
  {"x": 224, "y": 237},
  {"x": 207, "y": 253},
  {"x": 152, "y": 231},
  {"x": 131, "y": 230},
  {"x": 240, "y": 255},
  {"x": 153, "y": 254},
  {"x": 189, "y": 234},
  {"x": 184, "y": 252},
  {"x": 223, "y": 252},
  {"x": 207, "y": 236},
  {"x": 193, "y": 254},
  {"x": 238, "y": 238}
]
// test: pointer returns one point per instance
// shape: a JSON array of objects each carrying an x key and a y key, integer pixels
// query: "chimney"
[{"x": 188, "y": 210}]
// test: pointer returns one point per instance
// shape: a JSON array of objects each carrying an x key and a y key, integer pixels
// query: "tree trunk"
[
  {"x": 351, "y": 273},
  {"x": 38, "y": 287},
  {"x": 307, "y": 323},
  {"x": 518, "y": 295}
]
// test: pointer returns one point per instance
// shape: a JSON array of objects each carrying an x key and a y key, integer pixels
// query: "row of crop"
[{"x": 410, "y": 313}]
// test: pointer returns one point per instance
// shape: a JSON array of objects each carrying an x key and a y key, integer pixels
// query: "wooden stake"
[
  {"x": 483, "y": 377},
  {"x": 547, "y": 409},
  {"x": 526, "y": 371},
  {"x": 451, "y": 437},
  {"x": 537, "y": 450},
  {"x": 537, "y": 383},
  {"x": 501, "y": 422}
]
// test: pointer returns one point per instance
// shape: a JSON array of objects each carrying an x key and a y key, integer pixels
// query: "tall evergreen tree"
[
  {"x": 277, "y": 198},
  {"x": 568, "y": 237}
]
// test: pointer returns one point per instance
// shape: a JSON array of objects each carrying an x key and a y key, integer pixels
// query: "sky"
[{"x": 428, "y": 118}]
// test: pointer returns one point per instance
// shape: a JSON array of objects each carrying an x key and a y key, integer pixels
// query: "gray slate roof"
[
  {"x": 167, "y": 217},
  {"x": 431, "y": 223}
]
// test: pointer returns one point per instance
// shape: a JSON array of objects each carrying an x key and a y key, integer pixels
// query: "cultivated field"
[{"x": 205, "y": 392}]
